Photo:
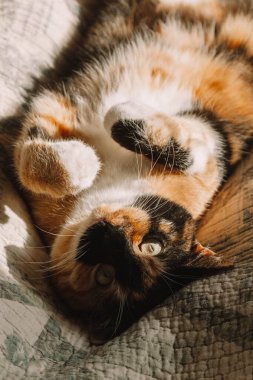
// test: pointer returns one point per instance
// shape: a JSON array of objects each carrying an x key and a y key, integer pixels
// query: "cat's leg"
[
  {"x": 184, "y": 142},
  {"x": 50, "y": 158}
]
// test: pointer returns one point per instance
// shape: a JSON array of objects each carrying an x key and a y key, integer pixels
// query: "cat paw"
[
  {"x": 197, "y": 137},
  {"x": 189, "y": 142},
  {"x": 180, "y": 143},
  {"x": 57, "y": 168},
  {"x": 135, "y": 128}
]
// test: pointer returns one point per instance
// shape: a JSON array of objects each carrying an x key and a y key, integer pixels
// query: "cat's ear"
[{"x": 203, "y": 257}]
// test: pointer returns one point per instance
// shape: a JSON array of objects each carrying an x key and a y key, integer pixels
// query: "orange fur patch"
[
  {"x": 160, "y": 129},
  {"x": 134, "y": 221},
  {"x": 160, "y": 76},
  {"x": 42, "y": 172},
  {"x": 61, "y": 130},
  {"x": 192, "y": 192},
  {"x": 221, "y": 87},
  {"x": 55, "y": 113},
  {"x": 236, "y": 144},
  {"x": 223, "y": 90},
  {"x": 160, "y": 73}
]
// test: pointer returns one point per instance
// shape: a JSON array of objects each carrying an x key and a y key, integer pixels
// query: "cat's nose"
[{"x": 104, "y": 243}]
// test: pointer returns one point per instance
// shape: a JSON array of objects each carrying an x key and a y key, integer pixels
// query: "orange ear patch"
[
  {"x": 203, "y": 251},
  {"x": 205, "y": 258}
]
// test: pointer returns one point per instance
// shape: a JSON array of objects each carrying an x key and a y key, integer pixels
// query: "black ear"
[{"x": 204, "y": 258}]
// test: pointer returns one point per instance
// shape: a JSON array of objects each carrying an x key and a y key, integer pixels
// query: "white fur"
[
  {"x": 115, "y": 188},
  {"x": 80, "y": 162},
  {"x": 127, "y": 110},
  {"x": 169, "y": 99}
]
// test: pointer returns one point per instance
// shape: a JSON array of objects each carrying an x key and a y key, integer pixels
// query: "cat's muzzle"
[{"x": 106, "y": 245}]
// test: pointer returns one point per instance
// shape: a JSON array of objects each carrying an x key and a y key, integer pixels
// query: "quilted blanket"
[{"x": 205, "y": 331}]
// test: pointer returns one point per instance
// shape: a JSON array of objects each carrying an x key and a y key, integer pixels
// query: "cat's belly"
[
  {"x": 122, "y": 178},
  {"x": 120, "y": 169}
]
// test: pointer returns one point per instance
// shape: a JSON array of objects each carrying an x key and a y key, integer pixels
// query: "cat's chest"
[
  {"x": 170, "y": 100},
  {"x": 146, "y": 81},
  {"x": 116, "y": 160}
]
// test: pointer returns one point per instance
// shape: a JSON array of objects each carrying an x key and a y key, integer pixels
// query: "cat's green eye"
[
  {"x": 152, "y": 248},
  {"x": 105, "y": 275}
]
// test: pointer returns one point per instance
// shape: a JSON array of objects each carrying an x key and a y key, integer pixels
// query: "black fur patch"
[
  {"x": 160, "y": 208},
  {"x": 104, "y": 243},
  {"x": 130, "y": 134},
  {"x": 231, "y": 54}
]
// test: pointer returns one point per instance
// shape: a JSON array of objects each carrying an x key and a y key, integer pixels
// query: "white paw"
[
  {"x": 199, "y": 139},
  {"x": 79, "y": 161},
  {"x": 56, "y": 168},
  {"x": 128, "y": 110}
]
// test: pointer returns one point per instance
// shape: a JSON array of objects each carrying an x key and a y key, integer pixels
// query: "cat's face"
[{"x": 121, "y": 262}]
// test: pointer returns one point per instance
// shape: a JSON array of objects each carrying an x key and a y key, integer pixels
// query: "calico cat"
[{"x": 121, "y": 158}]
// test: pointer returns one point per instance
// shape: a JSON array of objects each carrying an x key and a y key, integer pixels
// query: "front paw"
[
  {"x": 142, "y": 130},
  {"x": 181, "y": 143},
  {"x": 57, "y": 168}
]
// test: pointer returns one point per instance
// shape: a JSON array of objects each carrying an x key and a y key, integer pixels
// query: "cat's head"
[{"x": 121, "y": 262}]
